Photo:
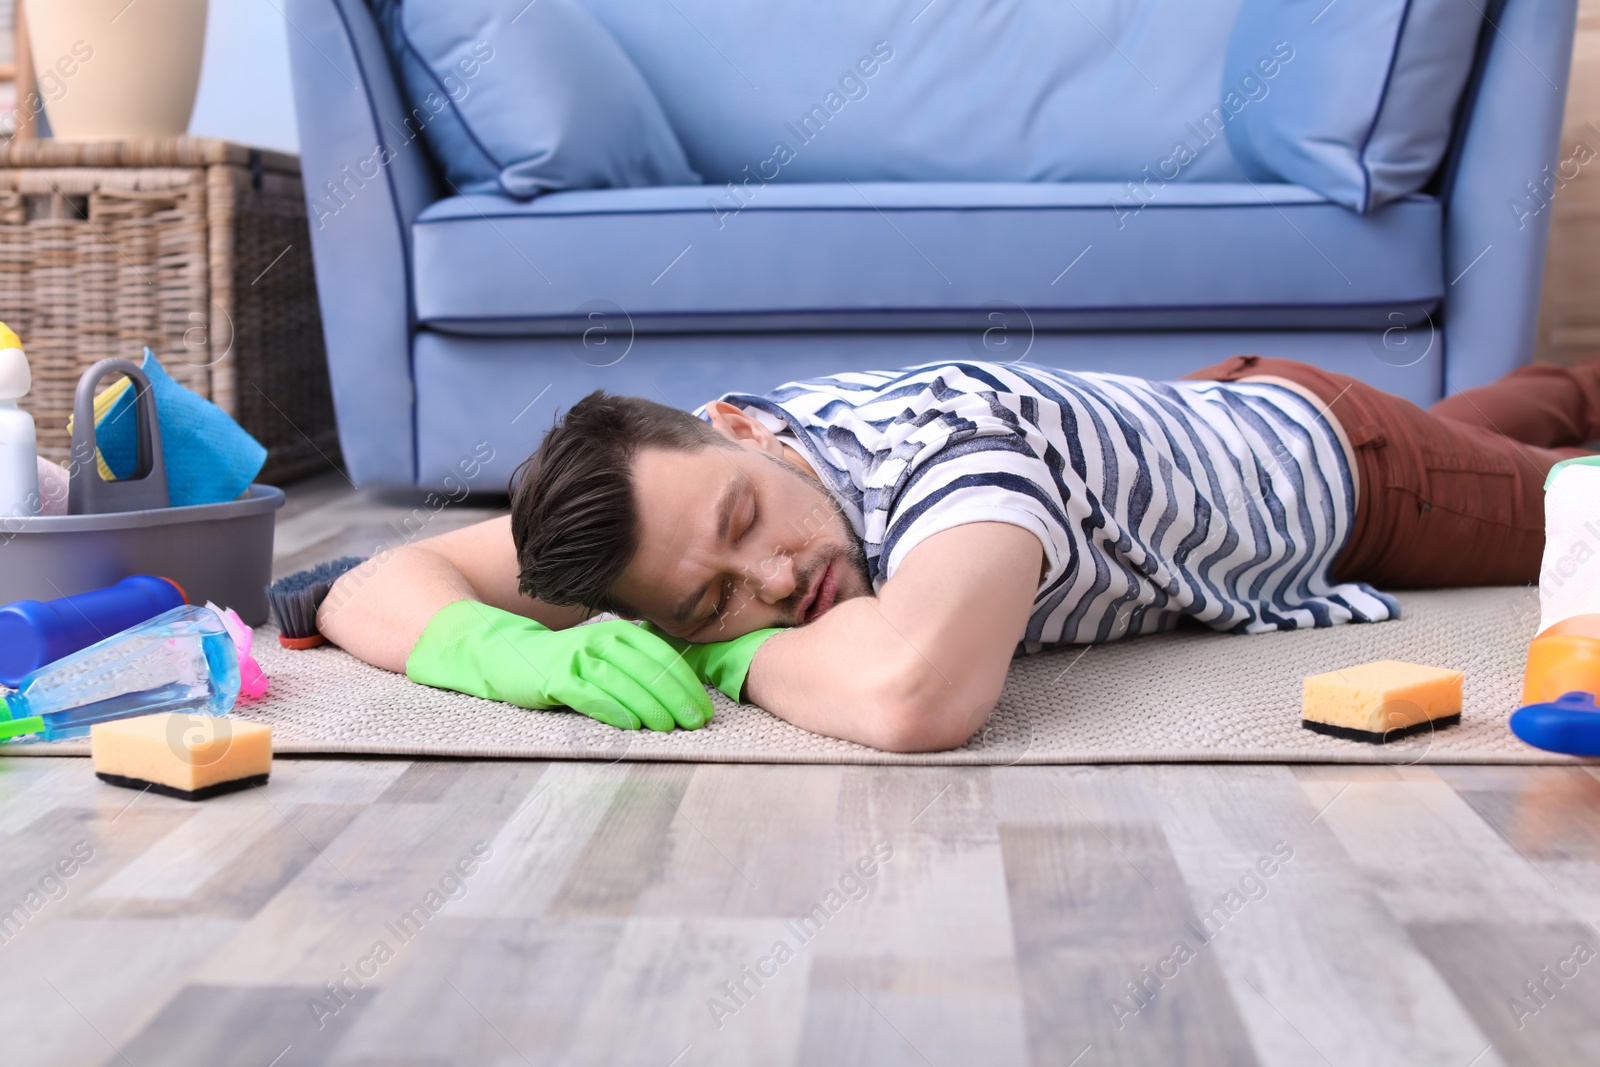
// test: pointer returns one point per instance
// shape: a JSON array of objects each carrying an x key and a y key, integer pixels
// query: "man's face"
[{"x": 733, "y": 540}]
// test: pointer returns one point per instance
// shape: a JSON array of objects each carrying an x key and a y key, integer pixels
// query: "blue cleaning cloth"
[{"x": 210, "y": 458}]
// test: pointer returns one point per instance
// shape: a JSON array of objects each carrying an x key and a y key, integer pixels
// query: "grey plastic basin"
[{"x": 217, "y": 552}]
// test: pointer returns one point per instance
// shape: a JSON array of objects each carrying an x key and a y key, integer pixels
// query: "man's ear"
[{"x": 735, "y": 425}]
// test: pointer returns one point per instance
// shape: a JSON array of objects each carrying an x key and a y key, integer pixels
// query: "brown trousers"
[{"x": 1451, "y": 496}]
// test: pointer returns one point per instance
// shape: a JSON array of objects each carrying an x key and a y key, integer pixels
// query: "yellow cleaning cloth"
[{"x": 102, "y": 404}]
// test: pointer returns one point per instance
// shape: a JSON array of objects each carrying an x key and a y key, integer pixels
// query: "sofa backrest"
[{"x": 936, "y": 90}]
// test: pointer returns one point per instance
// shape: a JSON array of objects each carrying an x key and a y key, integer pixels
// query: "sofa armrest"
[
  {"x": 1497, "y": 217},
  {"x": 367, "y": 175}
]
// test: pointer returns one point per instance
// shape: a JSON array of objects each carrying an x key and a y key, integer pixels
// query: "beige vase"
[{"x": 112, "y": 69}]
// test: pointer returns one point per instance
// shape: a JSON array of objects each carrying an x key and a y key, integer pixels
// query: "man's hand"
[
  {"x": 615, "y": 672},
  {"x": 722, "y": 664},
  {"x": 920, "y": 666}
]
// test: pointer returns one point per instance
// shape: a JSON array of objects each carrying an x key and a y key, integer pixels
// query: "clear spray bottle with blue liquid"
[{"x": 181, "y": 660}]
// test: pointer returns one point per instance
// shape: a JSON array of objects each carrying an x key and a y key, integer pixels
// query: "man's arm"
[
  {"x": 920, "y": 666},
  {"x": 377, "y": 611}
]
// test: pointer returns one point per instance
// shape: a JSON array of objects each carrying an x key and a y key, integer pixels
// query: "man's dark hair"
[{"x": 574, "y": 518}]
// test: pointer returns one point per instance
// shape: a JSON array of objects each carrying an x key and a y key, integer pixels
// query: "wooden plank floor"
[{"x": 394, "y": 912}]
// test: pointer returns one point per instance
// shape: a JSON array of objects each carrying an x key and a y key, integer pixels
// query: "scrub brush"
[{"x": 296, "y": 598}]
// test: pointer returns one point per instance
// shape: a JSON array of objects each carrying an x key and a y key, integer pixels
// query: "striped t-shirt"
[{"x": 1222, "y": 501}]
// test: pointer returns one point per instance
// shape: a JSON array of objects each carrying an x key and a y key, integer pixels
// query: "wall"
[
  {"x": 1569, "y": 321},
  {"x": 245, "y": 93}
]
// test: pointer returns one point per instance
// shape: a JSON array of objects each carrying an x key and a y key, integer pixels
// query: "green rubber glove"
[
  {"x": 612, "y": 671},
  {"x": 721, "y": 664}
]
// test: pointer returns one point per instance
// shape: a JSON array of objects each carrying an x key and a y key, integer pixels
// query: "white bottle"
[
  {"x": 19, "y": 445},
  {"x": 1569, "y": 577}
]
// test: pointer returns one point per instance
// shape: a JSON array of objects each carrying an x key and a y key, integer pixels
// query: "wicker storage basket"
[{"x": 195, "y": 247}]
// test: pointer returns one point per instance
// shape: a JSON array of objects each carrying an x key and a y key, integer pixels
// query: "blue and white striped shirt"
[{"x": 1222, "y": 501}]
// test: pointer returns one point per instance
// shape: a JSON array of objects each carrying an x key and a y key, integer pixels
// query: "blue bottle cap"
[{"x": 1570, "y": 724}]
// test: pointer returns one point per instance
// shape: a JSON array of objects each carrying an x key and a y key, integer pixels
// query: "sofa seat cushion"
[{"x": 926, "y": 255}]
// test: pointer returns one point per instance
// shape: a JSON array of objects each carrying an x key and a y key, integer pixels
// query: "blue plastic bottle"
[
  {"x": 181, "y": 660},
  {"x": 33, "y": 632}
]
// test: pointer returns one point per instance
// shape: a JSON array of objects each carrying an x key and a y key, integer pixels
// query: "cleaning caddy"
[{"x": 159, "y": 483}]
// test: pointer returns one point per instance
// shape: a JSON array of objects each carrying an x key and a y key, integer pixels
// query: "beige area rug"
[{"x": 1192, "y": 695}]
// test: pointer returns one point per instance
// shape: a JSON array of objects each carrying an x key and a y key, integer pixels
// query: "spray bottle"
[
  {"x": 1562, "y": 679},
  {"x": 19, "y": 445},
  {"x": 181, "y": 660}
]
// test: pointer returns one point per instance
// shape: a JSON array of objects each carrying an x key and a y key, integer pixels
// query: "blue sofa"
[{"x": 916, "y": 227}]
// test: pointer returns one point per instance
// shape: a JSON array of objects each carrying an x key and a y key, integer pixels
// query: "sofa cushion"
[
  {"x": 524, "y": 101},
  {"x": 926, "y": 255},
  {"x": 1364, "y": 111},
  {"x": 952, "y": 90}
]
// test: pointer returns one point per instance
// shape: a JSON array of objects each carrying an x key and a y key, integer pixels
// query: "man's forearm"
[
  {"x": 852, "y": 674},
  {"x": 919, "y": 667},
  {"x": 377, "y": 611}
]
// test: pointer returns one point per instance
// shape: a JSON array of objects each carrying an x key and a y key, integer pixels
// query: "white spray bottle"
[{"x": 19, "y": 445}]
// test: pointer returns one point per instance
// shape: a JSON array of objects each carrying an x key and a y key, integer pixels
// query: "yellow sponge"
[
  {"x": 187, "y": 756},
  {"x": 1382, "y": 701}
]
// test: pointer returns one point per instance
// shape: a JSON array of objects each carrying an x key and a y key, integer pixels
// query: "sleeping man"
[{"x": 864, "y": 554}]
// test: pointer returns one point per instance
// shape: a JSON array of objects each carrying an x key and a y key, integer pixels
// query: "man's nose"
[{"x": 777, "y": 578}]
